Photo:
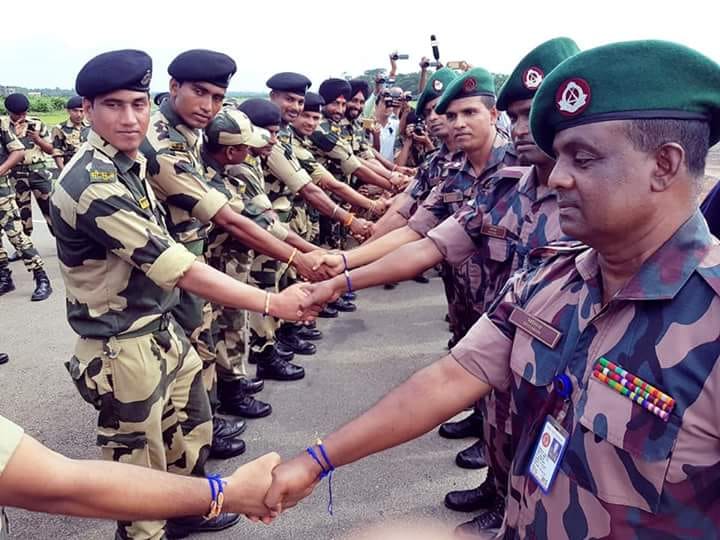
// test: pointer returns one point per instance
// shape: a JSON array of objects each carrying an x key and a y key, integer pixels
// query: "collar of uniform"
[
  {"x": 173, "y": 118},
  {"x": 297, "y": 135},
  {"x": 533, "y": 189},
  {"x": 667, "y": 270},
  {"x": 211, "y": 164},
  {"x": 121, "y": 160},
  {"x": 501, "y": 147}
]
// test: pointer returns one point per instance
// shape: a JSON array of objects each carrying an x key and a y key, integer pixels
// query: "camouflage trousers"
[
  {"x": 497, "y": 430},
  {"x": 37, "y": 183},
  {"x": 265, "y": 275},
  {"x": 11, "y": 226},
  {"x": 153, "y": 409},
  {"x": 231, "y": 327},
  {"x": 305, "y": 223}
]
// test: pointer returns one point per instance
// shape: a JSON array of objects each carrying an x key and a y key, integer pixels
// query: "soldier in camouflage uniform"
[
  {"x": 229, "y": 153},
  {"x": 487, "y": 151},
  {"x": 33, "y": 176},
  {"x": 429, "y": 173},
  {"x": 69, "y": 135},
  {"x": 287, "y": 182},
  {"x": 637, "y": 459},
  {"x": 175, "y": 170},
  {"x": 303, "y": 127},
  {"x": 11, "y": 153},
  {"x": 121, "y": 267}
]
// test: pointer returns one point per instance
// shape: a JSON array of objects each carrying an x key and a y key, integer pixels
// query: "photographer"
[
  {"x": 414, "y": 144},
  {"x": 386, "y": 116}
]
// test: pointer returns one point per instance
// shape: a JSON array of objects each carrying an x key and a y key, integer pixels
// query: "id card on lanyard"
[{"x": 548, "y": 454}]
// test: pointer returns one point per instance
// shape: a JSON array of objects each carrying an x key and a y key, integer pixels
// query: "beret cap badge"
[
  {"x": 573, "y": 97},
  {"x": 532, "y": 77}
]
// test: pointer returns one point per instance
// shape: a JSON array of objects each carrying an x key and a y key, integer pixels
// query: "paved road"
[{"x": 363, "y": 356}]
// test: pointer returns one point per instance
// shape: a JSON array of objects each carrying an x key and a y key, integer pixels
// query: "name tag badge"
[
  {"x": 493, "y": 231},
  {"x": 144, "y": 203},
  {"x": 536, "y": 327},
  {"x": 452, "y": 197},
  {"x": 548, "y": 454}
]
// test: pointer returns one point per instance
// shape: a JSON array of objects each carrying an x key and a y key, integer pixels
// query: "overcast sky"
[{"x": 45, "y": 43}]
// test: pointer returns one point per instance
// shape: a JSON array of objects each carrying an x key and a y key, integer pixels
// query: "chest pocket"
[{"x": 623, "y": 450}]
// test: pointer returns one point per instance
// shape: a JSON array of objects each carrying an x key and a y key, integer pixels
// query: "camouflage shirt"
[
  {"x": 8, "y": 143},
  {"x": 119, "y": 263},
  {"x": 243, "y": 185},
  {"x": 461, "y": 184},
  {"x": 67, "y": 138},
  {"x": 430, "y": 173},
  {"x": 175, "y": 172},
  {"x": 355, "y": 132},
  {"x": 333, "y": 147},
  {"x": 498, "y": 236},
  {"x": 284, "y": 176},
  {"x": 33, "y": 153},
  {"x": 303, "y": 149},
  {"x": 626, "y": 473}
]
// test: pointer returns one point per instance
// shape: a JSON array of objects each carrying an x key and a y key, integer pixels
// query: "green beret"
[
  {"x": 475, "y": 82},
  {"x": 530, "y": 72},
  {"x": 435, "y": 87},
  {"x": 629, "y": 80}
]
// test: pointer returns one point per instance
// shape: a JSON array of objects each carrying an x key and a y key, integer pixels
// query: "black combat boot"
[
  {"x": 6, "y": 282},
  {"x": 471, "y": 426},
  {"x": 287, "y": 334},
  {"x": 234, "y": 401},
  {"x": 184, "y": 527},
  {"x": 271, "y": 366},
  {"x": 42, "y": 286}
]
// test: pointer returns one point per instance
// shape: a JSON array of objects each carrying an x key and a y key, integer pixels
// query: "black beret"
[
  {"x": 313, "y": 102},
  {"x": 359, "y": 85},
  {"x": 261, "y": 112},
  {"x": 17, "y": 103},
  {"x": 289, "y": 82},
  {"x": 202, "y": 65},
  {"x": 331, "y": 89},
  {"x": 74, "y": 102},
  {"x": 160, "y": 97},
  {"x": 126, "y": 69}
]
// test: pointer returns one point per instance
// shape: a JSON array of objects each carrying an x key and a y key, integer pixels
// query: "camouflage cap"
[
  {"x": 288, "y": 81},
  {"x": 126, "y": 69},
  {"x": 359, "y": 85},
  {"x": 17, "y": 103},
  {"x": 627, "y": 80},
  {"x": 261, "y": 112},
  {"x": 74, "y": 102},
  {"x": 313, "y": 102},
  {"x": 203, "y": 65},
  {"x": 233, "y": 127},
  {"x": 331, "y": 89},
  {"x": 435, "y": 87},
  {"x": 525, "y": 79},
  {"x": 475, "y": 82}
]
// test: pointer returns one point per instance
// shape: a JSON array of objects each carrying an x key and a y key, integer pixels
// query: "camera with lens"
[
  {"x": 419, "y": 127},
  {"x": 427, "y": 64}
]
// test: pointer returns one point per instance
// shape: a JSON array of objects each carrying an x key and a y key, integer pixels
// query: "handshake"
[
  {"x": 264, "y": 488},
  {"x": 304, "y": 301}
]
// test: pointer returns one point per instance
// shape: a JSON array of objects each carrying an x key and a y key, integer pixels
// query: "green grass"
[{"x": 51, "y": 118}]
